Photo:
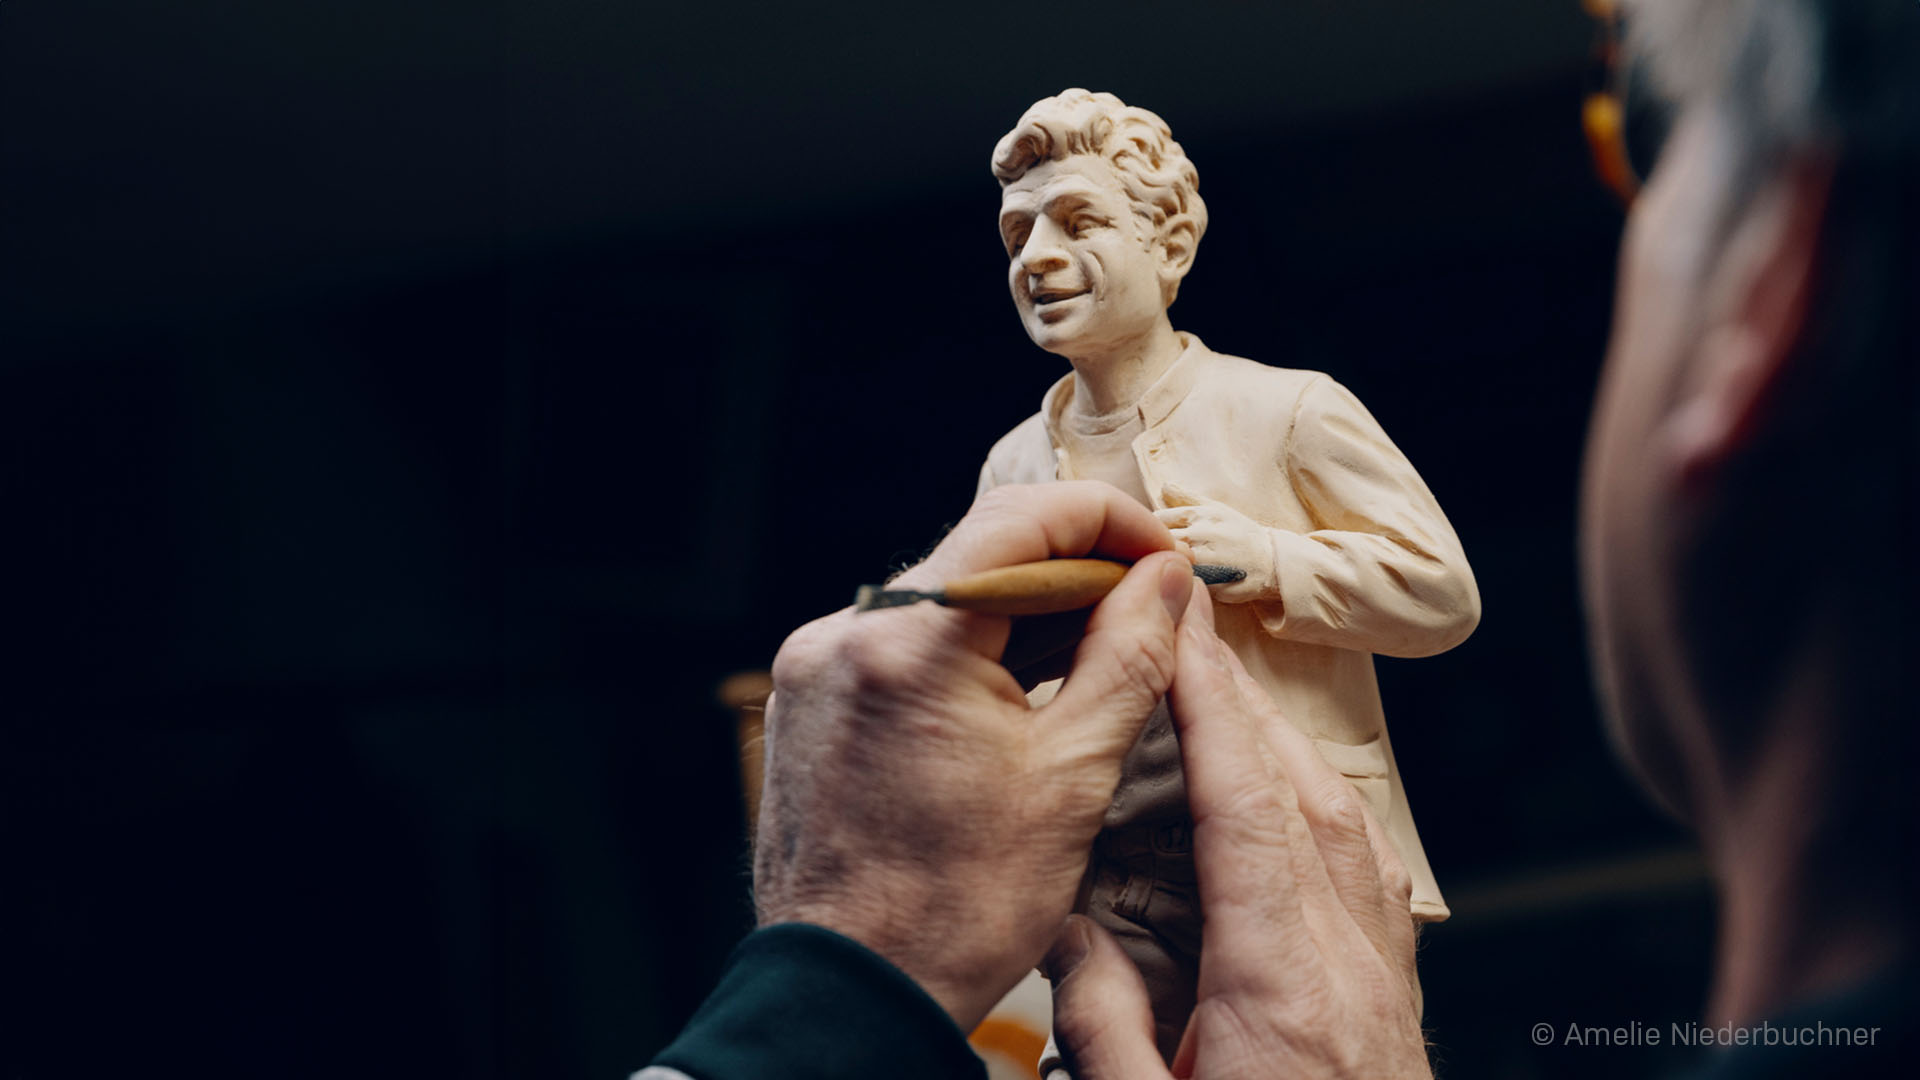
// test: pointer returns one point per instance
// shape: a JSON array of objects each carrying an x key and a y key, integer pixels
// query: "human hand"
[
  {"x": 913, "y": 800},
  {"x": 1307, "y": 962},
  {"x": 1217, "y": 533}
]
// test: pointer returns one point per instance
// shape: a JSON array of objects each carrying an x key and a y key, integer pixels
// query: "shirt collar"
[{"x": 1154, "y": 405}]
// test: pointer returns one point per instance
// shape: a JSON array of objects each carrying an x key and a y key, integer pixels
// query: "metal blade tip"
[{"x": 872, "y": 597}]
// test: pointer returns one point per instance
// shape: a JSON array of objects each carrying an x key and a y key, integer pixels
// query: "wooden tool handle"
[{"x": 1036, "y": 588}]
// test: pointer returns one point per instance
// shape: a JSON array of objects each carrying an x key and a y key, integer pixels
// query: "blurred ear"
[
  {"x": 1178, "y": 241},
  {"x": 1758, "y": 302}
]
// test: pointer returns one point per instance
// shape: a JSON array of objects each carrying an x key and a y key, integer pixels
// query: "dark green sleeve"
[{"x": 799, "y": 1001}]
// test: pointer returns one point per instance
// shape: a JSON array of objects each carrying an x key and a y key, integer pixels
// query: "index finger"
[
  {"x": 1344, "y": 830},
  {"x": 1020, "y": 523},
  {"x": 1248, "y": 838}
]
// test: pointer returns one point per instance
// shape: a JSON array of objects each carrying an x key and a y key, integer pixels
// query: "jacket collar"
[{"x": 1159, "y": 400}]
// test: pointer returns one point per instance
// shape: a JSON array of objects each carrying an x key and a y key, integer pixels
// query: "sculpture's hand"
[
  {"x": 1307, "y": 963},
  {"x": 1217, "y": 533},
  {"x": 913, "y": 801}
]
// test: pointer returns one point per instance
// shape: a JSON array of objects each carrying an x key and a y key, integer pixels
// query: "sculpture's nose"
[{"x": 1043, "y": 251}]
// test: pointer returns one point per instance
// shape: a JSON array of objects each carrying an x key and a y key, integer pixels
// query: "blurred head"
[
  {"x": 1101, "y": 214},
  {"x": 1749, "y": 499}
]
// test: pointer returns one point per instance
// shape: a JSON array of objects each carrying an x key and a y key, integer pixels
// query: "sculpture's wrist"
[
  {"x": 1269, "y": 575},
  {"x": 1262, "y": 583}
]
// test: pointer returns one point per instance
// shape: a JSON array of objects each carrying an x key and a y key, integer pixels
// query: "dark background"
[{"x": 411, "y": 411}]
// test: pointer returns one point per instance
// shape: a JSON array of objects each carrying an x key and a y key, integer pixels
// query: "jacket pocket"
[{"x": 1365, "y": 767}]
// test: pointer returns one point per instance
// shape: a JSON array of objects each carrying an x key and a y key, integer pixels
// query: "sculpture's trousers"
[{"x": 1140, "y": 888}]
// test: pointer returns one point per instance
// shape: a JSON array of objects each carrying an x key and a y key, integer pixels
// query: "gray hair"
[{"x": 1789, "y": 74}]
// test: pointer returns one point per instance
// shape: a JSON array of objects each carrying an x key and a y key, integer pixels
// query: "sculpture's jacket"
[{"x": 1366, "y": 561}]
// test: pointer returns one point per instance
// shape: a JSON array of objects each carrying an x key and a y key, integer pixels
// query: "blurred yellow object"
[
  {"x": 1601, "y": 116},
  {"x": 1010, "y": 1041},
  {"x": 1012, "y": 1037},
  {"x": 745, "y": 693}
]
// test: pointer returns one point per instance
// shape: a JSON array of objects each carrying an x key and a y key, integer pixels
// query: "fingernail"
[
  {"x": 1176, "y": 586},
  {"x": 1205, "y": 600},
  {"x": 1070, "y": 947}
]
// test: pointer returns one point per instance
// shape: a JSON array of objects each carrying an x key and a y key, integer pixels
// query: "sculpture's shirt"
[{"x": 1100, "y": 447}]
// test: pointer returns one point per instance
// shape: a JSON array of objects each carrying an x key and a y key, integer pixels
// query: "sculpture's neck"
[{"x": 1119, "y": 377}]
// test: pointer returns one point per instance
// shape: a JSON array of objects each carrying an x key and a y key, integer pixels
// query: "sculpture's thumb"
[{"x": 1172, "y": 495}]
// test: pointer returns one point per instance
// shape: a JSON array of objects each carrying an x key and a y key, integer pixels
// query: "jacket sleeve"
[
  {"x": 801, "y": 1002},
  {"x": 1382, "y": 570}
]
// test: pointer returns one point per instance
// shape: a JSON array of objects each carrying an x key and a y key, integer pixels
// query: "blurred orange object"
[
  {"x": 746, "y": 694},
  {"x": 1010, "y": 1040},
  {"x": 1603, "y": 114},
  {"x": 1602, "y": 117},
  {"x": 1012, "y": 1037}
]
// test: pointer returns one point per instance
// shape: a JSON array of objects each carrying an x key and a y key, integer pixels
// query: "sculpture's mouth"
[{"x": 1042, "y": 297}]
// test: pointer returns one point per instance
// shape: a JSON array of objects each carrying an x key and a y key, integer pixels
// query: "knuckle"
[
  {"x": 1337, "y": 809},
  {"x": 1007, "y": 499},
  {"x": 1147, "y": 662},
  {"x": 1011, "y": 508},
  {"x": 1394, "y": 878},
  {"x": 802, "y": 654},
  {"x": 840, "y": 651},
  {"x": 873, "y": 659}
]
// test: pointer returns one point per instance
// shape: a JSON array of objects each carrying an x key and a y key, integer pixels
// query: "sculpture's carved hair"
[{"x": 1155, "y": 172}]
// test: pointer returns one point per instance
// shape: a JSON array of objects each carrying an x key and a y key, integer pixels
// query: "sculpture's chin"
[{"x": 1050, "y": 337}]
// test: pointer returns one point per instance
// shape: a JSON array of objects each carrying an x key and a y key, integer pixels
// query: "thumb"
[
  {"x": 1101, "y": 1019},
  {"x": 1125, "y": 661}
]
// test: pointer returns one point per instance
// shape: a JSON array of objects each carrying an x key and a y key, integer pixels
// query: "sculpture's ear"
[{"x": 1178, "y": 241}]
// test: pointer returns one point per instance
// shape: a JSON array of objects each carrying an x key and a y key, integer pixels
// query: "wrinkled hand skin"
[
  {"x": 913, "y": 800},
  {"x": 1217, "y": 533},
  {"x": 1306, "y": 968}
]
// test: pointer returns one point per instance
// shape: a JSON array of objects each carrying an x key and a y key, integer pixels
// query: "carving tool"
[{"x": 1035, "y": 588}]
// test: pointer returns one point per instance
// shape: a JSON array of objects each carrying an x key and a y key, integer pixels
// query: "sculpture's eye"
[
  {"x": 1081, "y": 224},
  {"x": 1017, "y": 238}
]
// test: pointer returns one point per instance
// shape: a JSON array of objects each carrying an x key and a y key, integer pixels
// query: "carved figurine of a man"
[{"x": 1281, "y": 473}]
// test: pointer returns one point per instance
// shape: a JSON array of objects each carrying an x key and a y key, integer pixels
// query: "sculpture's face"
[{"x": 1085, "y": 269}]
